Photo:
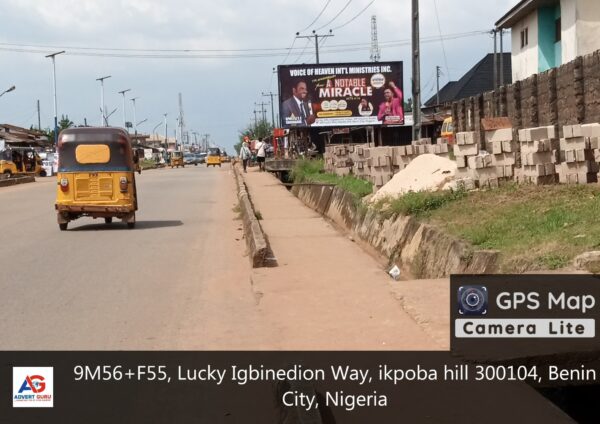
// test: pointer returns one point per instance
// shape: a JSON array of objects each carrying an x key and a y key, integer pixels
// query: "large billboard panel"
[{"x": 341, "y": 94}]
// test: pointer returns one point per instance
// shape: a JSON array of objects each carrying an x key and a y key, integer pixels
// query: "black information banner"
[{"x": 281, "y": 387}]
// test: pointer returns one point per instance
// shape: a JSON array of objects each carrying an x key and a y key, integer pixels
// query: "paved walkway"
[{"x": 327, "y": 293}]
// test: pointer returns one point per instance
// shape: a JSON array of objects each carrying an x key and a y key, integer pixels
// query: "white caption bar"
[{"x": 524, "y": 328}]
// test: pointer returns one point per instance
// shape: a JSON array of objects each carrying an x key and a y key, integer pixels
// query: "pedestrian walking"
[
  {"x": 245, "y": 155},
  {"x": 261, "y": 153}
]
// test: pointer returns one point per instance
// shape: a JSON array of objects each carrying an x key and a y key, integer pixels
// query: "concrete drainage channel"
[
  {"x": 419, "y": 249},
  {"x": 259, "y": 250}
]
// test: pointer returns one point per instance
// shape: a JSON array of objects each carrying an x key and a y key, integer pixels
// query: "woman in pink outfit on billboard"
[{"x": 392, "y": 106}]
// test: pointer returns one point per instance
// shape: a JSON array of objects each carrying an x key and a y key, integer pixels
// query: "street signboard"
[{"x": 341, "y": 94}]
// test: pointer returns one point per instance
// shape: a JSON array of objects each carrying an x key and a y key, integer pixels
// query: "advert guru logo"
[{"x": 33, "y": 387}]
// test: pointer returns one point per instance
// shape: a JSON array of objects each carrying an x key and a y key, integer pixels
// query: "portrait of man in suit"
[{"x": 297, "y": 110}]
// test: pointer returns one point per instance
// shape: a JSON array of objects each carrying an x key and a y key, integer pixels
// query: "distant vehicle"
[
  {"x": 448, "y": 130},
  {"x": 224, "y": 157},
  {"x": 201, "y": 157},
  {"x": 176, "y": 159},
  {"x": 48, "y": 167},
  {"x": 214, "y": 157},
  {"x": 21, "y": 160},
  {"x": 190, "y": 159}
]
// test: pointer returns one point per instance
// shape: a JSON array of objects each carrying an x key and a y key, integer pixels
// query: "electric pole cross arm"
[{"x": 316, "y": 37}]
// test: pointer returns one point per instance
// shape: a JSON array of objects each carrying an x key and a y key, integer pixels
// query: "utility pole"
[
  {"x": 316, "y": 37},
  {"x": 166, "y": 136},
  {"x": 53, "y": 56},
  {"x": 39, "y": 118},
  {"x": 262, "y": 110},
  {"x": 375, "y": 52},
  {"x": 103, "y": 122},
  {"x": 180, "y": 120},
  {"x": 416, "y": 69},
  {"x": 501, "y": 57},
  {"x": 124, "y": 116},
  {"x": 134, "y": 115},
  {"x": 255, "y": 120},
  {"x": 438, "y": 72},
  {"x": 270, "y": 94},
  {"x": 495, "y": 74}
]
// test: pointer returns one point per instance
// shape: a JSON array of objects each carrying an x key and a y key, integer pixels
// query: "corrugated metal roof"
[{"x": 478, "y": 80}]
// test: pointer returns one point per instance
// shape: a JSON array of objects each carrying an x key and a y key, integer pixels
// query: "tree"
[
  {"x": 63, "y": 124},
  {"x": 253, "y": 131}
]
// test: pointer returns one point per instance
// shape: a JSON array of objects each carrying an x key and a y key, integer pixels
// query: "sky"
[{"x": 220, "y": 87}]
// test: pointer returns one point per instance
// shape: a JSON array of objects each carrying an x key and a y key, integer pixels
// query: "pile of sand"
[{"x": 424, "y": 173}]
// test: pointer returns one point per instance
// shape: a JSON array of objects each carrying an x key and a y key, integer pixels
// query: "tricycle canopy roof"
[{"x": 113, "y": 152}]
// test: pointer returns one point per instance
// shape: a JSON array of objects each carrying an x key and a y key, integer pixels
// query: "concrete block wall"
[
  {"x": 567, "y": 95},
  {"x": 591, "y": 87},
  {"x": 536, "y": 155}
]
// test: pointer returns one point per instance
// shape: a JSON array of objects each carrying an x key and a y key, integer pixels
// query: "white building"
[{"x": 549, "y": 33}]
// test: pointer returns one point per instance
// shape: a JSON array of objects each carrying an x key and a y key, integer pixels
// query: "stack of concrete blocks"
[
  {"x": 538, "y": 148},
  {"x": 465, "y": 148},
  {"x": 499, "y": 143},
  {"x": 578, "y": 164},
  {"x": 381, "y": 164},
  {"x": 329, "y": 159},
  {"x": 360, "y": 161},
  {"x": 482, "y": 170},
  {"x": 342, "y": 161},
  {"x": 592, "y": 133},
  {"x": 403, "y": 155},
  {"x": 440, "y": 149}
]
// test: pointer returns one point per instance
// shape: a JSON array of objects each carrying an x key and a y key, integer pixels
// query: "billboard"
[{"x": 341, "y": 94}]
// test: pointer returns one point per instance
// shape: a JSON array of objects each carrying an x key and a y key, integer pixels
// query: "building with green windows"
[{"x": 548, "y": 33}]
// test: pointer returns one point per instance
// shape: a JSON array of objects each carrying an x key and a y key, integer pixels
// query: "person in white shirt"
[
  {"x": 261, "y": 153},
  {"x": 245, "y": 155}
]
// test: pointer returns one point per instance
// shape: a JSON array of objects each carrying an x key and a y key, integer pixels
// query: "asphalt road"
[{"x": 179, "y": 280}]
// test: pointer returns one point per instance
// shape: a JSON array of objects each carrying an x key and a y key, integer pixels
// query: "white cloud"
[{"x": 215, "y": 91}]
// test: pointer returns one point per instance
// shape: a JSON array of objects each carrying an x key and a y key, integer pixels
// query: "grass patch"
[
  {"x": 312, "y": 171},
  {"x": 418, "y": 204},
  {"x": 146, "y": 163},
  {"x": 534, "y": 227}
]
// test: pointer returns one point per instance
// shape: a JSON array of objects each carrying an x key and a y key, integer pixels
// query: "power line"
[
  {"x": 337, "y": 48},
  {"x": 355, "y": 17},
  {"x": 437, "y": 16},
  {"x": 302, "y": 52},
  {"x": 289, "y": 50},
  {"x": 336, "y": 16},
  {"x": 284, "y": 50},
  {"x": 318, "y": 16}
]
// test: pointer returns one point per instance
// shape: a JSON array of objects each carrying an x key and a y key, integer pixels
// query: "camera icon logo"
[{"x": 472, "y": 300}]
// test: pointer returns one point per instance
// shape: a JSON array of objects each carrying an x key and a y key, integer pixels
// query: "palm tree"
[{"x": 65, "y": 123}]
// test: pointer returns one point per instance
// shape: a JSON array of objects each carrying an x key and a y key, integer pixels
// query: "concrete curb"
[
  {"x": 16, "y": 180},
  {"x": 259, "y": 250}
]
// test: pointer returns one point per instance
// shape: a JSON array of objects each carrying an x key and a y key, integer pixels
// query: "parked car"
[
  {"x": 201, "y": 157},
  {"x": 190, "y": 159}
]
